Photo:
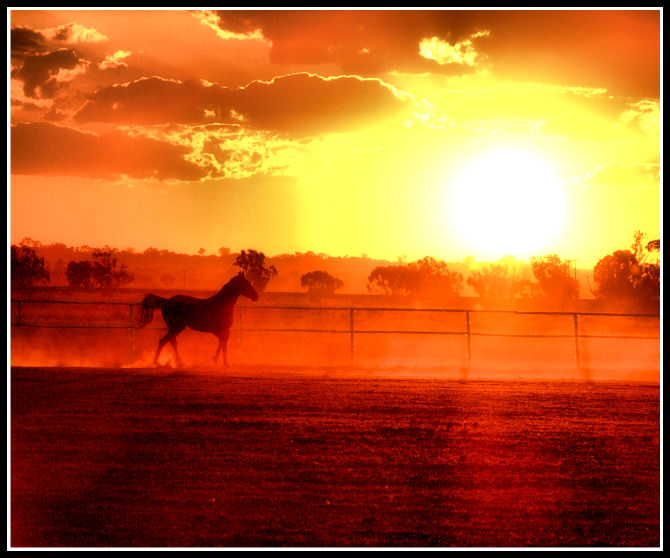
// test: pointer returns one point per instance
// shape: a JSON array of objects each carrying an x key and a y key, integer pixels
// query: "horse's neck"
[{"x": 225, "y": 295}]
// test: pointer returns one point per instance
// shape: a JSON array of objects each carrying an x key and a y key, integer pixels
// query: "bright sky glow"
[{"x": 388, "y": 133}]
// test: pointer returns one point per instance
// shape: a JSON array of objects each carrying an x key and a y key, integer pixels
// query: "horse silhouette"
[{"x": 212, "y": 315}]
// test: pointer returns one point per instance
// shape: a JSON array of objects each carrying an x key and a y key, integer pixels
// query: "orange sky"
[{"x": 387, "y": 133}]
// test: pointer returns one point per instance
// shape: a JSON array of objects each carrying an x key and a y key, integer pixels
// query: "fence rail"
[{"x": 352, "y": 330}]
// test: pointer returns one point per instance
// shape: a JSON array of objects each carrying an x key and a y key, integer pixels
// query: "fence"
[{"x": 356, "y": 324}]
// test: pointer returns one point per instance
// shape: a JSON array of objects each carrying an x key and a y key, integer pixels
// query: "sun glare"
[{"x": 506, "y": 202}]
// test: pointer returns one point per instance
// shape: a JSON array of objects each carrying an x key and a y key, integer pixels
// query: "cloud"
[
  {"x": 622, "y": 174},
  {"x": 306, "y": 103},
  {"x": 41, "y": 65},
  {"x": 357, "y": 41},
  {"x": 72, "y": 33},
  {"x": 462, "y": 52},
  {"x": 47, "y": 149},
  {"x": 115, "y": 60},
  {"x": 646, "y": 114},
  {"x": 24, "y": 40},
  {"x": 213, "y": 21},
  {"x": 155, "y": 100},
  {"x": 615, "y": 49},
  {"x": 43, "y": 73},
  {"x": 298, "y": 104},
  {"x": 229, "y": 151}
]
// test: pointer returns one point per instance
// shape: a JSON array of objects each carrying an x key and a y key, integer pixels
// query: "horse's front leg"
[{"x": 223, "y": 347}]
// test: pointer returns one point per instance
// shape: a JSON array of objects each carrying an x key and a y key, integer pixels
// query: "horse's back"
[
  {"x": 197, "y": 313},
  {"x": 184, "y": 299}
]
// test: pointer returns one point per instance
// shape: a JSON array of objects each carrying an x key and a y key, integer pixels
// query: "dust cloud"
[{"x": 454, "y": 342}]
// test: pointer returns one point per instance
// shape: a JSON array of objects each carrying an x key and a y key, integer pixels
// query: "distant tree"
[
  {"x": 252, "y": 263},
  {"x": 503, "y": 279},
  {"x": 626, "y": 277},
  {"x": 436, "y": 278},
  {"x": 613, "y": 275},
  {"x": 30, "y": 243},
  {"x": 654, "y": 245},
  {"x": 643, "y": 252},
  {"x": 79, "y": 274},
  {"x": 393, "y": 280},
  {"x": 426, "y": 276},
  {"x": 320, "y": 283},
  {"x": 554, "y": 278},
  {"x": 27, "y": 269},
  {"x": 105, "y": 272}
]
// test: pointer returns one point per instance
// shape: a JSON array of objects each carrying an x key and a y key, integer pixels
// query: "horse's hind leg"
[
  {"x": 161, "y": 343},
  {"x": 173, "y": 342},
  {"x": 218, "y": 350},
  {"x": 170, "y": 336}
]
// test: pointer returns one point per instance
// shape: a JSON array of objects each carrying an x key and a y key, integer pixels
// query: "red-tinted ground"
[{"x": 274, "y": 457}]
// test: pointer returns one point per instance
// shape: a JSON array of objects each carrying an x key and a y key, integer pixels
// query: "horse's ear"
[{"x": 240, "y": 274}]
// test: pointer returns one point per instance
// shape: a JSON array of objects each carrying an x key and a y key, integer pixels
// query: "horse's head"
[{"x": 244, "y": 287}]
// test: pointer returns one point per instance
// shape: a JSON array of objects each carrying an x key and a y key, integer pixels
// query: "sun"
[{"x": 507, "y": 201}]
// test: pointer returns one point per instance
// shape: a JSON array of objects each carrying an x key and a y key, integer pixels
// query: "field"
[{"x": 261, "y": 456}]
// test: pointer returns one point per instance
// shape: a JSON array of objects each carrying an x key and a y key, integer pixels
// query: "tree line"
[{"x": 631, "y": 275}]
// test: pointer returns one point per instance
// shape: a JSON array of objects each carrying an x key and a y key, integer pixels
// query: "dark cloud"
[
  {"x": 46, "y": 149},
  {"x": 292, "y": 104},
  {"x": 617, "y": 49},
  {"x": 24, "y": 40},
  {"x": 41, "y": 62},
  {"x": 365, "y": 42},
  {"x": 152, "y": 101},
  {"x": 303, "y": 103},
  {"x": 41, "y": 72}
]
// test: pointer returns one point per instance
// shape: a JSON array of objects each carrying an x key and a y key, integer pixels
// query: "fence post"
[
  {"x": 132, "y": 334},
  {"x": 576, "y": 324},
  {"x": 239, "y": 319},
  {"x": 467, "y": 336},
  {"x": 351, "y": 335},
  {"x": 18, "y": 328}
]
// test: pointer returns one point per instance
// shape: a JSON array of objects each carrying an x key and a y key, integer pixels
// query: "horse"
[{"x": 211, "y": 315}]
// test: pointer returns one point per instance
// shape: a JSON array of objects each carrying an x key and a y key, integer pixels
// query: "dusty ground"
[{"x": 258, "y": 457}]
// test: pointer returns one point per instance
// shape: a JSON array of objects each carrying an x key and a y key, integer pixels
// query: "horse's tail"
[{"x": 149, "y": 304}]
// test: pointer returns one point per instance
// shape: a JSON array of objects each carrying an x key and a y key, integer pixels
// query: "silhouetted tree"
[
  {"x": 104, "y": 270},
  {"x": 625, "y": 276},
  {"x": 554, "y": 278},
  {"x": 79, "y": 274},
  {"x": 503, "y": 279},
  {"x": 436, "y": 278},
  {"x": 393, "y": 280},
  {"x": 252, "y": 263},
  {"x": 428, "y": 275},
  {"x": 27, "y": 269},
  {"x": 320, "y": 283},
  {"x": 654, "y": 245}
]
